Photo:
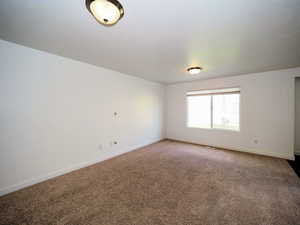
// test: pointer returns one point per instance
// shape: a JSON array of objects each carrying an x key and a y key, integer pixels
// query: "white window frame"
[{"x": 214, "y": 90}]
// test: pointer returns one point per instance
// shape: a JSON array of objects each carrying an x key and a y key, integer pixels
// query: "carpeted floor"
[{"x": 167, "y": 183}]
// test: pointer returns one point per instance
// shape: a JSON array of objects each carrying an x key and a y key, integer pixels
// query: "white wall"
[
  {"x": 56, "y": 112},
  {"x": 297, "y": 111},
  {"x": 267, "y": 113}
]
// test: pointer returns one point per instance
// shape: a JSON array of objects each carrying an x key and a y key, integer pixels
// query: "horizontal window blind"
[{"x": 214, "y": 92}]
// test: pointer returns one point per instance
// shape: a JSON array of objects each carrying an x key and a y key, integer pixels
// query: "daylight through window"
[{"x": 214, "y": 109}]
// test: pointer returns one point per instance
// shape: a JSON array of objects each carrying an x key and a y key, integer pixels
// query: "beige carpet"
[{"x": 166, "y": 183}]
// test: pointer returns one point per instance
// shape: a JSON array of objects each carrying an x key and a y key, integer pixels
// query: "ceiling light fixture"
[
  {"x": 194, "y": 70},
  {"x": 106, "y": 12}
]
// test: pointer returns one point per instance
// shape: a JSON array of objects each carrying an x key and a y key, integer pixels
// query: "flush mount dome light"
[
  {"x": 194, "y": 70},
  {"x": 106, "y": 12}
]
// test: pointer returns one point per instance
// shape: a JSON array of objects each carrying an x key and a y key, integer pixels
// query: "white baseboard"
[
  {"x": 36, "y": 180},
  {"x": 265, "y": 153}
]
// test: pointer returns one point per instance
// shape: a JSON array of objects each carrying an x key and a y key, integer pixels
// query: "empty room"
[{"x": 135, "y": 112}]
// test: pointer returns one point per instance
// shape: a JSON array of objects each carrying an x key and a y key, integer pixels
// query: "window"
[{"x": 214, "y": 109}]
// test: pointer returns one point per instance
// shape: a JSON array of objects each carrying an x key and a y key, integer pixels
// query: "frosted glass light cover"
[
  {"x": 106, "y": 12},
  {"x": 194, "y": 70}
]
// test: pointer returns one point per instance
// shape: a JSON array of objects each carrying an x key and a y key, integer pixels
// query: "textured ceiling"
[{"x": 157, "y": 40}]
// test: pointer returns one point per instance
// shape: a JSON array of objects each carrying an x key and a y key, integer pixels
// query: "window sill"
[{"x": 215, "y": 129}]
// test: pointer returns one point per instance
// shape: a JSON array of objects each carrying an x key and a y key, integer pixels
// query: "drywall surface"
[
  {"x": 266, "y": 116},
  {"x": 297, "y": 116},
  {"x": 57, "y": 115}
]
